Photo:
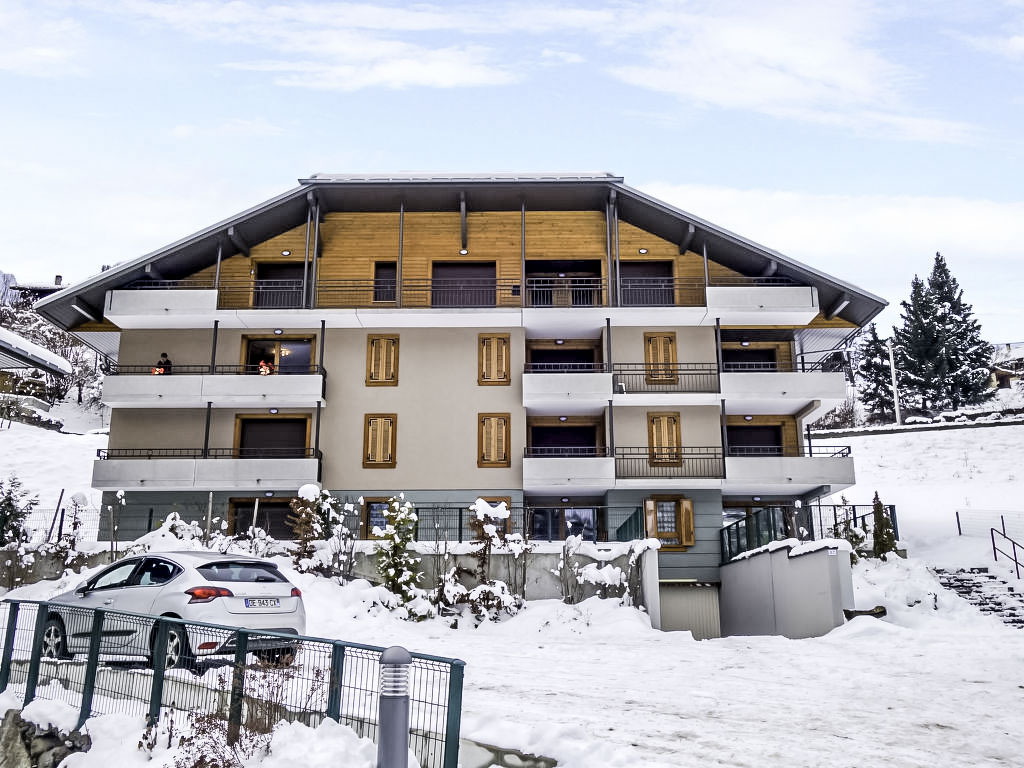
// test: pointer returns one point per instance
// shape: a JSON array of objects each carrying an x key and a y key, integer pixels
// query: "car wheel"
[
  {"x": 55, "y": 640},
  {"x": 178, "y": 653}
]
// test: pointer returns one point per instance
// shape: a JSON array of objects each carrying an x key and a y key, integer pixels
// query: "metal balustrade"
[
  {"x": 114, "y": 369},
  {"x": 566, "y": 451},
  {"x": 629, "y": 378},
  {"x": 104, "y": 454},
  {"x": 669, "y": 462},
  {"x": 811, "y": 450}
]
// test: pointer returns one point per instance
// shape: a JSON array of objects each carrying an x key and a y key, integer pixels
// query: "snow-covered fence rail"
[
  {"x": 978, "y": 522},
  {"x": 110, "y": 661}
]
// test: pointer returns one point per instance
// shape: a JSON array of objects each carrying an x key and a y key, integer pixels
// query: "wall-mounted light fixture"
[
  {"x": 463, "y": 251},
  {"x": 642, "y": 250},
  {"x": 563, "y": 418},
  {"x": 748, "y": 418},
  {"x": 559, "y": 341},
  {"x": 273, "y": 410},
  {"x": 268, "y": 494},
  {"x": 756, "y": 498},
  {"x": 278, "y": 331},
  {"x": 744, "y": 343},
  {"x": 286, "y": 253},
  {"x": 565, "y": 499}
]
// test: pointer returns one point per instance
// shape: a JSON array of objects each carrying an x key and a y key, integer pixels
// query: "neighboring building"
[
  {"x": 1007, "y": 366},
  {"x": 36, "y": 291},
  {"x": 610, "y": 365}
]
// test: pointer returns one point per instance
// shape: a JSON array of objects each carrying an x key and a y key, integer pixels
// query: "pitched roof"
[
  {"x": 428, "y": 192},
  {"x": 18, "y": 352}
]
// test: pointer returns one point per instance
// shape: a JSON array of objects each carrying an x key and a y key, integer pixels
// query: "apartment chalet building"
[{"x": 609, "y": 365}]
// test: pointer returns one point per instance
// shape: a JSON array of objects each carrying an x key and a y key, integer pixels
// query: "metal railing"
[
  {"x": 810, "y": 522},
  {"x": 629, "y": 378},
  {"x": 733, "y": 280},
  {"x": 978, "y": 521},
  {"x": 570, "y": 451},
  {"x": 114, "y": 369},
  {"x": 208, "y": 453},
  {"x": 644, "y": 461},
  {"x": 261, "y": 677},
  {"x": 564, "y": 292},
  {"x": 996, "y": 551},
  {"x": 564, "y": 368},
  {"x": 808, "y": 451},
  {"x": 661, "y": 292},
  {"x": 442, "y": 523},
  {"x": 833, "y": 363}
]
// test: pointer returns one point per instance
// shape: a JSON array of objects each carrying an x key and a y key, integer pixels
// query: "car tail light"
[
  {"x": 296, "y": 592},
  {"x": 207, "y": 646},
  {"x": 206, "y": 594}
]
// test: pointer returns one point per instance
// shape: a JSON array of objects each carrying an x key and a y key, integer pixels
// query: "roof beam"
[
  {"x": 87, "y": 311},
  {"x": 684, "y": 244},
  {"x": 770, "y": 268},
  {"x": 237, "y": 241},
  {"x": 839, "y": 306}
]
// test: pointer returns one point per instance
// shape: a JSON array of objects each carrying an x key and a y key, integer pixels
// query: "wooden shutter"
[
  {"x": 381, "y": 360},
  {"x": 660, "y": 358},
  {"x": 494, "y": 359},
  {"x": 664, "y": 438},
  {"x": 379, "y": 440},
  {"x": 651, "y": 518},
  {"x": 493, "y": 439},
  {"x": 686, "y": 528}
]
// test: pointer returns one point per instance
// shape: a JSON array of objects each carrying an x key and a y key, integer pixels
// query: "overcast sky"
[{"x": 858, "y": 137}]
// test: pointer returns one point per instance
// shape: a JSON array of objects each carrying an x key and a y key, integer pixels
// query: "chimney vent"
[{"x": 57, "y": 279}]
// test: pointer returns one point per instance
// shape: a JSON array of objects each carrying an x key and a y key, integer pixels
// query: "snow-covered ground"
[
  {"x": 936, "y": 683},
  {"x": 46, "y": 461}
]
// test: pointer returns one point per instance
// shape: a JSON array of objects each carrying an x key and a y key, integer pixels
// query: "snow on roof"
[
  {"x": 1002, "y": 353},
  {"x": 17, "y": 352}
]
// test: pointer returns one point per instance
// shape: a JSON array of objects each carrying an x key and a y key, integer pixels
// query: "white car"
[{"x": 229, "y": 590}]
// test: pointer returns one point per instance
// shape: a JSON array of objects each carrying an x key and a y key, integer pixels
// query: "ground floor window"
[
  {"x": 271, "y": 516},
  {"x": 670, "y": 520}
]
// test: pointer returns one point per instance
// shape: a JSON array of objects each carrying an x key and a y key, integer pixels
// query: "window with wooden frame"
[
  {"x": 381, "y": 360},
  {"x": 373, "y": 515},
  {"x": 664, "y": 441},
  {"x": 380, "y": 434},
  {"x": 278, "y": 354},
  {"x": 670, "y": 520},
  {"x": 493, "y": 434},
  {"x": 493, "y": 368},
  {"x": 660, "y": 357}
]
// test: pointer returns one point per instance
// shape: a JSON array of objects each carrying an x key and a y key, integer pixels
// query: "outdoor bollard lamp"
[{"x": 393, "y": 716}]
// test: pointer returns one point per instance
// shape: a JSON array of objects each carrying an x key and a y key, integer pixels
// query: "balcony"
[
  {"x": 563, "y": 469},
  {"x": 225, "y": 386},
  {"x": 566, "y": 387},
  {"x": 766, "y": 469},
  {"x": 771, "y": 388},
  {"x": 761, "y": 301},
  {"x": 691, "y": 467},
  {"x": 212, "y": 469},
  {"x": 665, "y": 384}
]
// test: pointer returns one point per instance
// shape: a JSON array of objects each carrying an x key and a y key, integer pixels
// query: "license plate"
[{"x": 262, "y": 602}]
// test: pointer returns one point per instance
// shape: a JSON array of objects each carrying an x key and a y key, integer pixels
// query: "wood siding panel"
[
  {"x": 566, "y": 235},
  {"x": 783, "y": 350},
  {"x": 790, "y": 431}
]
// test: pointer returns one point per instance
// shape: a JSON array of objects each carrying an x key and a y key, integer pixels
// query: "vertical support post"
[
  {"x": 460, "y": 524},
  {"x": 522, "y": 254},
  {"x": 608, "y": 345},
  {"x": 462, "y": 220},
  {"x": 156, "y": 693},
  {"x": 323, "y": 339},
  {"x": 611, "y": 428},
  {"x": 237, "y": 685},
  {"x": 393, "y": 711},
  {"x": 608, "y": 243},
  {"x": 615, "y": 263},
  {"x": 1002, "y": 521},
  {"x": 213, "y": 347},
  {"x": 895, "y": 389},
  {"x": 92, "y": 661},
  {"x": 725, "y": 439},
  {"x": 959, "y": 530},
  {"x": 718, "y": 351},
  {"x": 454, "y": 722},
  {"x": 314, "y": 257},
  {"x": 209, "y": 518},
  {"x": 707, "y": 277},
  {"x": 32, "y": 678},
  {"x": 206, "y": 433},
  {"x": 316, "y": 432},
  {"x": 255, "y": 511},
  {"x": 220, "y": 254},
  {"x": 305, "y": 258},
  {"x": 13, "y": 609},
  {"x": 401, "y": 247},
  {"x": 334, "y": 685}
]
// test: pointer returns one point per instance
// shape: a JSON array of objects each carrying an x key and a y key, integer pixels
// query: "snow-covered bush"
[
  {"x": 883, "y": 536},
  {"x": 488, "y": 601},
  {"x": 15, "y": 506},
  {"x": 568, "y": 570},
  {"x": 324, "y": 544},
  {"x": 397, "y": 561}
]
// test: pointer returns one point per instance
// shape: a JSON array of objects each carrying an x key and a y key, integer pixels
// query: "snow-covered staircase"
[{"x": 987, "y": 591}]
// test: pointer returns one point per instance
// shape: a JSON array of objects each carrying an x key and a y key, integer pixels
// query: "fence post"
[
  {"x": 460, "y": 525},
  {"x": 92, "y": 662},
  {"x": 1002, "y": 520},
  {"x": 992, "y": 535},
  {"x": 334, "y": 691},
  {"x": 237, "y": 687},
  {"x": 454, "y": 723},
  {"x": 32, "y": 679},
  {"x": 393, "y": 712},
  {"x": 896, "y": 525},
  {"x": 156, "y": 692},
  {"x": 959, "y": 530},
  {"x": 12, "y": 627}
]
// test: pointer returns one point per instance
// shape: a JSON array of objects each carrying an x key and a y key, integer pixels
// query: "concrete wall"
[
  {"x": 693, "y": 344},
  {"x": 699, "y": 426},
  {"x": 771, "y": 593},
  {"x": 691, "y": 607}
]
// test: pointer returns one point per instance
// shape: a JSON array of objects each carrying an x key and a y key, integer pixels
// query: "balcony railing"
[
  {"x": 566, "y": 451},
  {"x": 644, "y": 461},
  {"x": 439, "y": 523},
  {"x": 810, "y": 451},
  {"x": 564, "y": 368},
  {"x": 208, "y": 453},
  {"x": 726, "y": 281},
  {"x": 833, "y": 363},
  {"x": 629, "y": 378},
  {"x": 660, "y": 292},
  {"x": 220, "y": 370}
]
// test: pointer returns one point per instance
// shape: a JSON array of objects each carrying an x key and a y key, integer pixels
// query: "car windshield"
[{"x": 241, "y": 571}]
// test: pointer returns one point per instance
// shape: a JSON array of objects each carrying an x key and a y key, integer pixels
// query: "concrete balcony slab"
[
  {"x": 786, "y": 475},
  {"x": 564, "y": 474}
]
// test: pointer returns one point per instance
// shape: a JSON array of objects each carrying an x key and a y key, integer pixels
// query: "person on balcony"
[
  {"x": 163, "y": 365},
  {"x": 266, "y": 368}
]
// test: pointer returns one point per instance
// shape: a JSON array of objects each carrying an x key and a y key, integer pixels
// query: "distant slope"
[{"x": 47, "y": 461}]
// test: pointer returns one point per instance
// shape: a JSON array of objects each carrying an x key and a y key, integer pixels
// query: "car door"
[{"x": 101, "y": 591}]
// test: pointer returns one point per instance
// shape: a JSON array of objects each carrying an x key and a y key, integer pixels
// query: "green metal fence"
[{"x": 109, "y": 661}]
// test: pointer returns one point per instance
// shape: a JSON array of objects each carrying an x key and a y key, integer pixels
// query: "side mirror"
[{"x": 81, "y": 589}]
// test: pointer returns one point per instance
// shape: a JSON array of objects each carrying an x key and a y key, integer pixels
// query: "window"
[
  {"x": 114, "y": 577},
  {"x": 381, "y": 361},
  {"x": 493, "y": 434},
  {"x": 380, "y": 432},
  {"x": 494, "y": 363},
  {"x": 155, "y": 572},
  {"x": 663, "y": 438},
  {"x": 272, "y": 437},
  {"x": 385, "y": 280},
  {"x": 670, "y": 520},
  {"x": 660, "y": 357},
  {"x": 373, "y": 515},
  {"x": 285, "y": 355}
]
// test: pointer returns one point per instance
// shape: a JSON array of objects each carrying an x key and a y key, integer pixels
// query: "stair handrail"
[{"x": 996, "y": 551}]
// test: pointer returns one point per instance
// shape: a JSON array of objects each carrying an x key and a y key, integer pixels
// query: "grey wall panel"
[{"x": 690, "y": 607}]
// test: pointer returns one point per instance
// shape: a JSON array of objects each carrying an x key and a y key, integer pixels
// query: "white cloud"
[
  {"x": 38, "y": 41},
  {"x": 233, "y": 128},
  {"x": 879, "y": 242},
  {"x": 563, "y": 57}
]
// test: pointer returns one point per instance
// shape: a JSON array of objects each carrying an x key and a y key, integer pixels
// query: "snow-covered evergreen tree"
[
  {"x": 883, "y": 535},
  {"x": 917, "y": 344},
  {"x": 874, "y": 377},
  {"x": 397, "y": 562},
  {"x": 962, "y": 356}
]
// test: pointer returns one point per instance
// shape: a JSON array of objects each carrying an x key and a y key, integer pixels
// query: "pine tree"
[
  {"x": 15, "y": 505},
  {"x": 916, "y": 349},
  {"x": 874, "y": 377},
  {"x": 883, "y": 535},
  {"x": 397, "y": 563},
  {"x": 962, "y": 355}
]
